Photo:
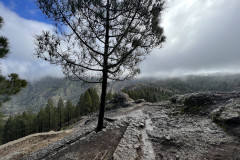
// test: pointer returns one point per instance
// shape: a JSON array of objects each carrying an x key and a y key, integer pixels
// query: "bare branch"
[
  {"x": 126, "y": 31},
  {"x": 78, "y": 34}
]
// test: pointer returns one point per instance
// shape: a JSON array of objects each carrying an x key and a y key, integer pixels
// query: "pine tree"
[
  {"x": 69, "y": 111},
  {"x": 87, "y": 103},
  {"x": 9, "y": 130},
  {"x": 60, "y": 111},
  {"x": 20, "y": 126},
  {"x": 79, "y": 107},
  {"x": 1, "y": 128},
  {"x": 109, "y": 96},
  {"x": 54, "y": 118},
  {"x": 49, "y": 111},
  {"x": 4, "y": 45},
  {"x": 40, "y": 120},
  {"x": 97, "y": 40},
  {"x": 95, "y": 99},
  {"x": 11, "y": 84},
  {"x": 30, "y": 119}
]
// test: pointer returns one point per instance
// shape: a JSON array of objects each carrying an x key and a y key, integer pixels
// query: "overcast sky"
[{"x": 203, "y": 36}]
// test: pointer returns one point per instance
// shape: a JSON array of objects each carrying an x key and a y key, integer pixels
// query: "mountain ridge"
[{"x": 36, "y": 94}]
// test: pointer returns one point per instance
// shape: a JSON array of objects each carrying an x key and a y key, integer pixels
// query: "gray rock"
[
  {"x": 119, "y": 101},
  {"x": 121, "y": 98},
  {"x": 204, "y": 98},
  {"x": 139, "y": 101},
  {"x": 202, "y": 103},
  {"x": 228, "y": 113},
  {"x": 195, "y": 99},
  {"x": 127, "y": 148}
]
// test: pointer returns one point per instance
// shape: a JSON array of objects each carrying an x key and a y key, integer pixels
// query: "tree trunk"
[
  {"x": 105, "y": 73},
  {"x": 49, "y": 122},
  {"x": 68, "y": 116},
  {"x": 102, "y": 104}
]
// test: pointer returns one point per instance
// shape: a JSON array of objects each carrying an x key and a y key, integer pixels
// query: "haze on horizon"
[{"x": 202, "y": 38}]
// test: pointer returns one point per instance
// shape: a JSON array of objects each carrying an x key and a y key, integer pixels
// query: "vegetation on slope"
[
  {"x": 35, "y": 95},
  {"x": 159, "y": 90},
  {"x": 49, "y": 118}
]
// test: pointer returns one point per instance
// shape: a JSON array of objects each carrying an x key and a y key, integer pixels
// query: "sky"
[{"x": 203, "y": 37}]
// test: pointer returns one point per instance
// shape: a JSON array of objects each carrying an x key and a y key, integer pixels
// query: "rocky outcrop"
[
  {"x": 196, "y": 99},
  {"x": 222, "y": 108},
  {"x": 202, "y": 103},
  {"x": 120, "y": 100},
  {"x": 204, "y": 98},
  {"x": 181, "y": 136},
  {"x": 229, "y": 113}
]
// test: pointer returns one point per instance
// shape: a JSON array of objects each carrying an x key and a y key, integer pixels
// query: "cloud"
[
  {"x": 20, "y": 33},
  {"x": 202, "y": 36}
]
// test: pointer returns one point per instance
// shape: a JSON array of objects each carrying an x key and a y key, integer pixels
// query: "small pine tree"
[
  {"x": 79, "y": 106},
  {"x": 95, "y": 99},
  {"x": 9, "y": 130},
  {"x": 11, "y": 84},
  {"x": 49, "y": 111},
  {"x": 69, "y": 111},
  {"x": 109, "y": 96},
  {"x": 60, "y": 110},
  {"x": 40, "y": 120},
  {"x": 1, "y": 128}
]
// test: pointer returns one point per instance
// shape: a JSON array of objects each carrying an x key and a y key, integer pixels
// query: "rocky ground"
[{"x": 194, "y": 126}]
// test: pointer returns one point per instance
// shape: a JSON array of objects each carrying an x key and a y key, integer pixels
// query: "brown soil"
[
  {"x": 93, "y": 146},
  {"x": 31, "y": 143}
]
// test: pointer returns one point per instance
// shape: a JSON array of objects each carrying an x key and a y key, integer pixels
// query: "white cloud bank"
[
  {"x": 203, "y": 36},
  {"x": 20, "y": 33}
]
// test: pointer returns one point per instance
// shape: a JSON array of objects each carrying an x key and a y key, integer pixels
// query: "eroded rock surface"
[
  {"x": 229, "y": 112},
  {"x": 187, "y": 137}
]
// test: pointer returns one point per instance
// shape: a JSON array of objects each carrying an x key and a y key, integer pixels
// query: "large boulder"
[
  {"x": 195, "y": 99},
  {"x": 228, "y": 113},
  {"x": 120, "y": 100},
  {"x": 195, "y": 103},
  {"x": 139, "y": 101}
]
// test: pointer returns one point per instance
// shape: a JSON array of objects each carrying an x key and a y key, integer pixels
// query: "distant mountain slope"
[
  {"x": 36, "y": 94},
  {"x": 190, "y": 84},
  {"x": 157, "y": 90}
]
